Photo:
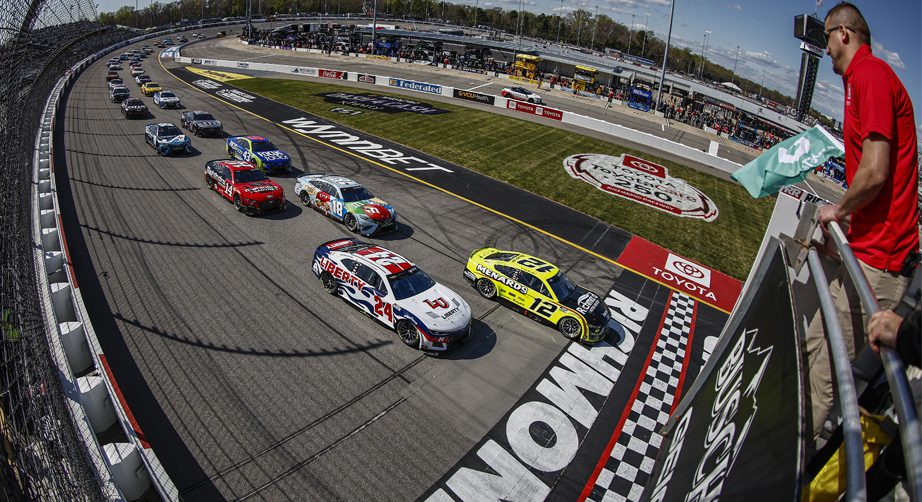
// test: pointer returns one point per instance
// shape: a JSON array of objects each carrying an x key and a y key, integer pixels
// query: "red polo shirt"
[{"x": 885, "y": 231}]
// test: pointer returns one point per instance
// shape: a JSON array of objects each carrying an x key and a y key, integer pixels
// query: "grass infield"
[{"x": 530, "y": 156}]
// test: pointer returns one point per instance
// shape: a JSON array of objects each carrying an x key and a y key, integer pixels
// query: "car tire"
[
  {"x": 351, "y": 223},
  {"x": 486, "y": 288},
  {"x": 209, "y": 182},
  {"x": 305, "y": 198},
  {"x": 237, "y": 204},
  {"x": 230, "y": 153},
  {"x": 407, "y": 333},
  {"x": 569, "y": 327},
  {"x": 329, "y": 283},
  {"x": 530, "y": 100}
]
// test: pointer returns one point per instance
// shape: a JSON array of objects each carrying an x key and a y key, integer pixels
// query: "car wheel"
[
  {"x": 407, "y": 333},
  {"x": 351, "y": 224},
  {"x": 531, "y": 100},
  {"x": 486, "y": 288},
  {"x": 305, "y": 198},
  {"x": 237, "y": 203},
  {"x": 209, "y": 181},
  {"x": 569, "y": 327},
  {"x": 329, "y": 283},
  {"x": 230, "y": 153}
]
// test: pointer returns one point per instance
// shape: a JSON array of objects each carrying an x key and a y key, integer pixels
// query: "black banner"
[
  {"x": 386, "y": 104},
  {"x": 474, "y": 96},
  {"x": 739, "y": 432}
]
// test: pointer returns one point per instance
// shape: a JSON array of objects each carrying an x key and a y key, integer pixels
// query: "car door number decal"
[
  {"x": 336, "y": 207},
  {"x": 536, "y": 264},
  {"x": 543, "y": 307},
  {"x": 384, "y": 309}
]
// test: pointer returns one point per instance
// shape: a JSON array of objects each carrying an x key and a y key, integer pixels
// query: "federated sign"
[
  {"x": 641, "y": 181},
  {"x": 415, "y": 86},
  {"x": 386, "y": 104}
]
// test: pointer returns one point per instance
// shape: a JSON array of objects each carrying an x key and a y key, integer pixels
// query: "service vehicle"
[
  {"x": 392, "y": 290},
  {"x": 244, "y": 185},
  {"x": 150, "y": 88},
  {"x": 521, "y": 94},
  {"x": 541, "y": 291},
  {"x": 134, "y": 107},
  {"x": 166, "y": 99},
  {"x": 142, "y": 79},
  {"x": 111, "y": 76},
  {"x": 348, "y": 202},
  {"x": 201, "y": 123},
  {"x": 166, "y": 138},
  {"x": 118, "y": 94},
  {"x": 258, "y": 151}
]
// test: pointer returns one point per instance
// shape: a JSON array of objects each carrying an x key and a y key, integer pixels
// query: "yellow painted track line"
[{"x": 436, "y": 187}]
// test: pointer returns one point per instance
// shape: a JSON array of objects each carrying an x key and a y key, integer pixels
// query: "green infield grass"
[{"x": 530, "y": 156}]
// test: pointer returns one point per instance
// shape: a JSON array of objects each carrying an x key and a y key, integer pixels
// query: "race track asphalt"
[{"x": 246, "y": 378}]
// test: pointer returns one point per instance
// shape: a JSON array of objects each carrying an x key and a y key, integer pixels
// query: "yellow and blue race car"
[{"x": 540, "y": 291}]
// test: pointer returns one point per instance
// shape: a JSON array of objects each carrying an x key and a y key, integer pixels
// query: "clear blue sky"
[{"x": 762, "y": 29}]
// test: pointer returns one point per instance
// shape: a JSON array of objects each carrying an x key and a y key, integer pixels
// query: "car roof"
[
  {"x": 165, "y": 124},
  {"x": 237, "y": 165},
  {"x": 513, "y": 262},
  {"x": 339, "y": 181},
  {"x": 392, "y": 266},
  {"x": 255, "y": 139}
]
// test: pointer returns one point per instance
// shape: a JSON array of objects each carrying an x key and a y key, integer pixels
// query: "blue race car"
[{"x": 260, "y": 152}]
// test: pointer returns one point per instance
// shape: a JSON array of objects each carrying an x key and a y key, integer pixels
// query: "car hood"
[
  {"x": 375, "y": 208},
  {"x": 173, "y": 140},
  {"x": 588, "y": 304},
  {"x": 169, "y": 98},
  {"x": 272, "y": 156},
  {"x": 259, "y": 188},
  {"x": 136, "y": 107},
  {"x": 439, "y": 309},
  {"x": 207, "y": 123}
]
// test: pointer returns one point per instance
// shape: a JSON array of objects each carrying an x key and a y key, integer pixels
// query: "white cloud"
[
  {"x": 735, "y": 6},
  {"x": 892, "y": 58}
]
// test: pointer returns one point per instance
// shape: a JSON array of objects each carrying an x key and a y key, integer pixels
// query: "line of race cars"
[{"x": 380, "y": 283}]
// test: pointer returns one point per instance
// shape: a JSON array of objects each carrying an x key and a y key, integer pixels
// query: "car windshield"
[
  {"x": 167, "y": 94},
  {"x": 562, "y": 285},
  {"x": 355, "y": 194},
  {"x": 410, "y": 283},
  {"x": 263, "y": 146},
  {"x": 203, "y": 116},
  {"x": 167, "y": 131},
  {"x": 250, "y": 176},
  {"x": 120, "y": 90},
  {"x": 134, "y": 102},
  {"x": 153, "y": 84}
]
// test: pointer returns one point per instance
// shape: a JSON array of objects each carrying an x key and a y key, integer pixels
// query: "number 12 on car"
[{"x": 543, "y": 307}]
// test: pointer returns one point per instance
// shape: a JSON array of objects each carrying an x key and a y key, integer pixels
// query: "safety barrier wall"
[
  {"x": 614, "y": 130},
  {"x": 126, "y": 469}
]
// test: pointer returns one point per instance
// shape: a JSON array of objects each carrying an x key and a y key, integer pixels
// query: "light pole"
[
  {"x": 374, "y": 25},
  {"x": 476, "y": 8},
  {"x": 703, "y": 50},
  {"x": 762, "y": 82},
  {"x": 735, "y": 60},
  {"x": 559, "y": 21},
  {"x": 662, "y": 74},
  {"x": 630, "y": 37},
  {"x": 595, "y": 22},
  {"x": 646, "y": 28}
]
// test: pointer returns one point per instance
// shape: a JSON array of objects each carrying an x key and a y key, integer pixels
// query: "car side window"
[
  {"x": 508, "y": 272},
  {"x": 224, "y": 172},
  {"x": 329, "y": 189},
  {"x": 316, "y": 184},
  {"x": 371, "y": 277},
  {"x": 350, "y": 265},
  {"x": 533, "y": 282}
]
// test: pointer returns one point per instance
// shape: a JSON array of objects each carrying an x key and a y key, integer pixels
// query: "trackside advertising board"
[{"x": 738, "y": 434}]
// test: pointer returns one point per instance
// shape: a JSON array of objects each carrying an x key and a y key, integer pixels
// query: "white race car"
[
  {"x": 386, "y": 286},
  {"x": 166, "y": 99},
  {"x": 521, "y": 94},
  {"x": 347, "y": 201}
]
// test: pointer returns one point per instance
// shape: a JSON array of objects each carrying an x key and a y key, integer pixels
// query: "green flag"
[{"x": 788, "y": 162}]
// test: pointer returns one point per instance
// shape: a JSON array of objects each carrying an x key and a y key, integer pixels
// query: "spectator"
[
  {"x": 611, "y": 96},
  {"x": 880, "y": 205}
]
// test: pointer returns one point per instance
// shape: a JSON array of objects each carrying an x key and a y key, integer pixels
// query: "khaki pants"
[{"x": 888, "y": 287}]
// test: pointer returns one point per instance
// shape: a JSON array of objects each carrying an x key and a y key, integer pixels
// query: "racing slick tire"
[
  {"x": 305, "y": 198},
  {"x": 230, "y": 153},
  {"x": 569, "y": 327},
  {"x": 486, "y": 288},
  {"x": 237, "y": 204},
  {"x": 329, "y": 283},
  {"x": 351, "y": 223},
  {"x": 530, "y": 100},
  {"x": 407, "y": 333},
  {"x": 209, "y": 182}
]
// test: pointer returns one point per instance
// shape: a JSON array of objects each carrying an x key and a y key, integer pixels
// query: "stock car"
[
  {"x": 116, "y": 82},
  {"x": 134, "y": 107},
  {"x": 113, "y": 66},
  {"x": 258, "y": 151},
  {"x": 166, "y": 138},
  {"x": 150, "y": 88},
  {"x": 112, "y": 75},
  {"x": 392, "y": 290},
  {"x": 201, "y": 123},
  {"x": 244, "y": 185},
  {"x": 540, "y": 291},
  {"x": 119, "y": 94},
  {"x": 521, "y": 94},
  {"x": 347, "y": 201},
  {"x": 142, "y": 79},
  {"x": 166, "y": 99}
]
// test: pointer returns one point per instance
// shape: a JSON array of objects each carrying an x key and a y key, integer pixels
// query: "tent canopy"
[{"x": 731, "y": 85}]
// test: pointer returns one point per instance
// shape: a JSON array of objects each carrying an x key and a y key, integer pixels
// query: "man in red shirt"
[{"x": 880, "y": 206}]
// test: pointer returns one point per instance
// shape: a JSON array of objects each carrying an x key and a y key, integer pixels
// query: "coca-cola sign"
[{"x": 641, "y": 181}]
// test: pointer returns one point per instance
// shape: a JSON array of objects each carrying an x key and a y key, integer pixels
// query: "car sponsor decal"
[
  {"x": 324, "y": 73},
  {"x": 221, "y": 76},
  {"x": 521, "y": 288},
  {"x": 340, "y": 273},
  {"x": 392, "y": 262},
  {"x": 196, "y": 61},
  {"x": 273, "y": 155},
  {"x": 367, "y": 79},
  {"x": 236, "y": 96},
  {"x": 243, "y": 65},
  {"x": 641, "y": 181},
  {"x": 414, "y": 85},
  {"x": 474, "y": 96},
  {"x": 302, "y": 70},
  {"x": 386, "y": 104},
  {"x": 339, "y": 244},
  {"x": 541, "y": 111},
  {"x": 361, "y": 146},
  {"x": 681, "y": 274}
]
